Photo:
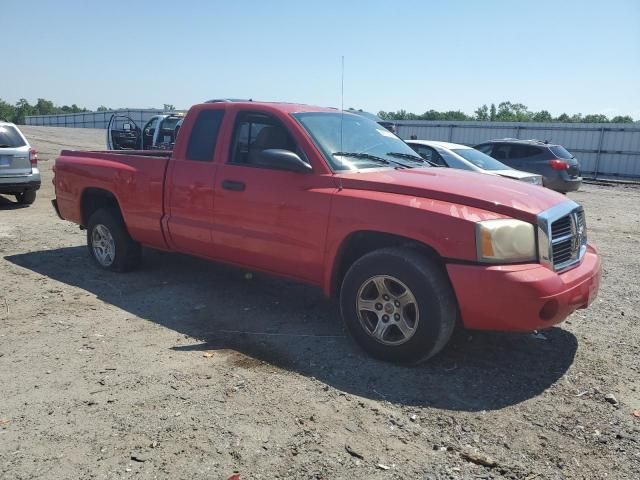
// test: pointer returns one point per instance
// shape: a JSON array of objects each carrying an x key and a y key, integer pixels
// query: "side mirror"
[{"x": 279, "y": 159}]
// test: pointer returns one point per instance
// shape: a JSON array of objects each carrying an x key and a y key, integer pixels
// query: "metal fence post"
[
  {"x": 598, "y": 154},
  {"x": 451, "y": 132}
]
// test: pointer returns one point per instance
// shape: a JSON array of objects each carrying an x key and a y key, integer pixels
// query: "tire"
[
  {"x": 26, "y": 198},
  {"x": 109, "y": 243},
  {"x": 427, "y": 315}
]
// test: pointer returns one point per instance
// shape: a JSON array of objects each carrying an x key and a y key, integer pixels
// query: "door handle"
[{"x": 233, "y": 185}]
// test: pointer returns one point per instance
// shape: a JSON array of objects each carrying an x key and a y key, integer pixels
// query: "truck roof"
[{"x": 281, "y": 106}]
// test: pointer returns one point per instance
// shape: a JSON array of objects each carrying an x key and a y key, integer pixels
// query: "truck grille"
[{"x": 568, "y": 239}]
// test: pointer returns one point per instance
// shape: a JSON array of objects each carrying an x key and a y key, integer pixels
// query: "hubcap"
[
  {"x": 387, "y": 310},
  {"x": 104, "y": 247}
]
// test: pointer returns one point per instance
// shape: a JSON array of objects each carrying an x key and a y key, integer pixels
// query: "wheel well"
[
  {"x": 360, "y": 243},
  {"x": 93, "y": 199}
]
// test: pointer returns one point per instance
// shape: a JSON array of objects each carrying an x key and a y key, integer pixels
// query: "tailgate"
[
  {"x": 563, "y": 154},
  {"x": 574, "y": 168},
  {"x": 14, "y": 162}
]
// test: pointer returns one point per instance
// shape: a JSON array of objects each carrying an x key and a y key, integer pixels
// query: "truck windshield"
[
  {"x": 352, "y": 142},
  {"x": 480, "y": 159}
]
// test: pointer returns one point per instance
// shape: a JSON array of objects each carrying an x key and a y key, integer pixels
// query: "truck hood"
[{"x": 488, "y": 192}]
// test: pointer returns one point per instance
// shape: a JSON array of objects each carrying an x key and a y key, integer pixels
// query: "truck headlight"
[{"x": 505, "y": 241}]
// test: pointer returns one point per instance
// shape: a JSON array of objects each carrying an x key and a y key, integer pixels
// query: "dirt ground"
[{"x": 187, "y": 369}]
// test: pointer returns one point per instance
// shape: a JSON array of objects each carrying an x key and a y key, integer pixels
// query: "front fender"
[{"x": 446, "y": 228}]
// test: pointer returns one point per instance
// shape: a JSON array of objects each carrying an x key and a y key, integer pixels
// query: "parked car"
[
  {"x": 159, "y": 133},
  {"x": 19, "y": 174},
  {"x": 560, "y": 170},
  {"x": 333, "y": 199},
  {"x": 454, "y": 155}
]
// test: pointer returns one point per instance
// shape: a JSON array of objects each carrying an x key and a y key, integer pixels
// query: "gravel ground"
[{"x": 187, "y": 369}]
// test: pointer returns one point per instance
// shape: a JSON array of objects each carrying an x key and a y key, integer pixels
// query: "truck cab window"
[
  {"x": 254, "y": 133},
  {"x": 204, "y": 135}
]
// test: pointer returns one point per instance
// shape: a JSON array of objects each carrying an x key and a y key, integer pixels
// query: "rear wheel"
[
  {"x": 109, "y": 243},
  {"x": 398, "y": 305},
  {"x": 26, "y": 198}
]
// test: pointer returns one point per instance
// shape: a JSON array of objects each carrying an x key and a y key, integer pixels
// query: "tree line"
[
  {"x": 504, "y": 112},
  {"x": 22, "y": 108}
]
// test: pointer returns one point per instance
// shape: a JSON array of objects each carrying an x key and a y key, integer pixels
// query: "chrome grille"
[
  {"x": 561, "y": 227},
  {"x": 562, "y": 236}
]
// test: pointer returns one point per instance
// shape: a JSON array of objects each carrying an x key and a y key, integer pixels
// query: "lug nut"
[
  {"x": 385, "y": 318},
  {"x": 396, "y": 303},
  {"x": 397, "y": 316},
  {"x": 385, "y": 296},
  {"x": 378, "y": 306}
]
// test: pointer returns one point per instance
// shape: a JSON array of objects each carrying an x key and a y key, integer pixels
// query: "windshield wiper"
[
  {"x": 368, "y": 156},
  {"x": 415, "y": 158},
  {"x": 4, "y": 145}
]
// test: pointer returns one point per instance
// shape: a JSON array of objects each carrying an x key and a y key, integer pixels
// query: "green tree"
[
  {"x": 482, "y": 113},
  {"x": 7, "y": 111},
  {"x": 492, "y": 113},
  {"x": 595, "y": 118},
  {"x": 168, "y": 106},
  {"x": 44, "y": 107},
  {"x": 542, "y": 116},
  {"x": 22, "y": 110},
  {"x": 622, "y": 119},
  {"x": 513, "y": 112},
  {"x": 102, "y": 108}
]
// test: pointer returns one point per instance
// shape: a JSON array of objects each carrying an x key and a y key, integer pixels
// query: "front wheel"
[
  {"x": 109, "y": 243},
  {"x": 398, "y": 305}
]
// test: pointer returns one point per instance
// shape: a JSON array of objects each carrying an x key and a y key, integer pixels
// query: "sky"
[{"x": 562, "y": 56}]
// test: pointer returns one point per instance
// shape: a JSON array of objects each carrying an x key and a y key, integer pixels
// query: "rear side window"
[
  {"x": 485, "y": 148},
  {"x": 10, "y": 138},
  {"x": 501, "y": 152},
  {"x": 204, "y": 134},
  {"x": 561, "y": 152},
  {"x": 523, "y": 151},
  {"x": 428, "y": 153}
]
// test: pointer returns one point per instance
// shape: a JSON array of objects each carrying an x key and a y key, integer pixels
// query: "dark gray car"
[{"x": 560, "y": 170}]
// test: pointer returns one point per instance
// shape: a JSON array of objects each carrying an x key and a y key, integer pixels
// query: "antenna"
[{"x": 341, "y": 103}]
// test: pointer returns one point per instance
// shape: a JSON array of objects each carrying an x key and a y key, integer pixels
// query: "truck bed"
[{"x": 134, "y": 177}]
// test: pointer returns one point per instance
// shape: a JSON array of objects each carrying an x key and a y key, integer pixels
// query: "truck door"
[
  {"x": 150, "y": 132},
  {"x": 123, "y": 133},
  {"x": 270, "y": 219},
  {"x": 190, "y": 183}
]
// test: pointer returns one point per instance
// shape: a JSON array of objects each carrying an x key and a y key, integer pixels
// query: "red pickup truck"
[{"x": 335, "y": 200}]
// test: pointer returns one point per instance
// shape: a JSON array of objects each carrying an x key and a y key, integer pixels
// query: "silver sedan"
[{"x": 462, "y": 157}]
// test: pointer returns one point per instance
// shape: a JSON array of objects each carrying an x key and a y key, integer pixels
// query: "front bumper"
[
  {"x": 20, "y": 184},
  {"x": 523, "y": 297}
]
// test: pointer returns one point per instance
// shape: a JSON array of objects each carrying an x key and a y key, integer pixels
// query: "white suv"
[{"x": 19, "y": 174}]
